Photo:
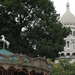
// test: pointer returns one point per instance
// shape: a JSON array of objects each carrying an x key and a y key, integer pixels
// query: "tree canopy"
[{"x": 43, "y": 33}]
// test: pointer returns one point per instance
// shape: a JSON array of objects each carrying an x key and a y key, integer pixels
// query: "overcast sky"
[{"x": 60, "y": 6}]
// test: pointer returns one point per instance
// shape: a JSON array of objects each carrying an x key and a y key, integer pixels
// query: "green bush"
[{"x": 64, "y": 68}]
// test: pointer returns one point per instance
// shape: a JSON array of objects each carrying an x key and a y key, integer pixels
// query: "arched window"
[
  {"x": 2, "y": 70},
  {"x": 62, "y": 54},
  {"x": 68, "y": 54},
  {"x": 67, "y": 43},
  {"x": 65, "y": 24},
  {"x": 73, "y": 54}
]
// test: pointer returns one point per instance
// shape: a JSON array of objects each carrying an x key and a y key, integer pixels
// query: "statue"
[{"x": 4, "y": 42}]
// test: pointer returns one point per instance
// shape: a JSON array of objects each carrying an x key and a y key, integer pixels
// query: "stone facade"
[{"x": 68, "y": 20}]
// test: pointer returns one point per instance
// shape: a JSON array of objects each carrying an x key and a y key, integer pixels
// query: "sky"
[{"x": 60, "y": 6}]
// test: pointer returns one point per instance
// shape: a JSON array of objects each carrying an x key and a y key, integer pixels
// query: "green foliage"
[
  {"x": 43, "y": 29},
  {"x": 49, "y": 60},
  {"x": 64, "y": 68},
  {"x": 65, "y": 64}
]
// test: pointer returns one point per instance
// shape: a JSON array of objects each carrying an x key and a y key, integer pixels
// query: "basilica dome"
[{"x": 68, "y": 17}]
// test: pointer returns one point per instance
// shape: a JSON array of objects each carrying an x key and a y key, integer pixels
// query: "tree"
[
  {"x": 43, "y": 33},
  {"x": 66, "y": 65}
]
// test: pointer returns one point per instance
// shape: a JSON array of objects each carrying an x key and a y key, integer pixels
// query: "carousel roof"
[{"x": 6, "y": 52}]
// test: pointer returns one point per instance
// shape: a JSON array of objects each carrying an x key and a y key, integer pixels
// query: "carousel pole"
[{"x": 3, "y": 45}]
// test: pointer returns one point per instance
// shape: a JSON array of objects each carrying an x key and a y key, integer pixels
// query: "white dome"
[{"x": 68, "y": 17}]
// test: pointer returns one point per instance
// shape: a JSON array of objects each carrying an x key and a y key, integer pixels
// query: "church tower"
[{"x": 68, "y": 20}]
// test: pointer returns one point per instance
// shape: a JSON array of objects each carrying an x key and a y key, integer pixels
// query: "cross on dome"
[{"x": 67, "y": 5}]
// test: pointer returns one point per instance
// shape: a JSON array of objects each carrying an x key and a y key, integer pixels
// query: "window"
[
  {"x": 62, "y": 54},
  {"x": 67, "y": 43},
  {"x": 73, "y": 46},
  {"x": 73, "y": 33},
  {"x": 73, "y": 54},
  {"x": 65, "y": 24},
  {"x": 68, "y": 54}
]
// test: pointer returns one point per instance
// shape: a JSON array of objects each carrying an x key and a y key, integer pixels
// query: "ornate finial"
[
  {"x": 4, "y": 41},
  {"x": 67, "y": 5}
]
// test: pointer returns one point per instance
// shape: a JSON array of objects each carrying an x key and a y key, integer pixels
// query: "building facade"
[{"x": 68, "y": 20}]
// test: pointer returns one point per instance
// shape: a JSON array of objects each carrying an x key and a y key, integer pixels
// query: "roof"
[
  {"x": 70, "y": 37},
  {"x": 68, "y": 17},
  {"x": 6, "y": 52}
]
